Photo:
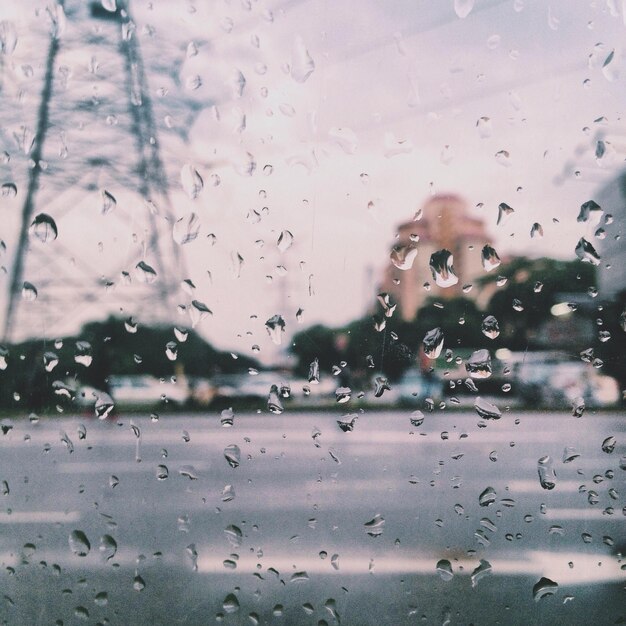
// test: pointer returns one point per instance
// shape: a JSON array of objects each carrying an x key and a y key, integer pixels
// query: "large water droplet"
[
  {"x": 433, "y": 343},
  {"x": 479, "y": 364},
  {"x": 586, "y": 209},
  {"x": 186, "y": 229},
  {"x": 302, "y": 65},
  {"x": 230, "y": 604},
  {"x": 108, "y": 202},
  {"x": 487, "y": 497},
  {"x": 145, "y": 273},
  {"x": 608, "y": 445},
  {"x": 547, "y": 475},
  {"x": 486, "y": 410},
  {"x": 545, "y": 587},
  {"x": 375, "y": 526},
  {"x": 490, "y": 258},
  {"x": 108, "y": 547},
  {"x": 82, "y": 354},
  {"x": 442, "y": 269},
  {"x": 232, "y": 454},
  {"x": 483, "y": 569},
  {"x": 274, "y": 404},
  {"x": 285, "y": 239},
  {"x": 490, "y": 327},
  {"x": 191, "y": 181},
  {"x": 275, "y": 326},
  {"x": 314, "y": 372},
  {"x": 79, "y": 544},
  {"x": 586, "y": 252},
  {"x": 444, "y": 569},
  {"x": 403, "y": 257},
  {"x": 43, "y": 228}
]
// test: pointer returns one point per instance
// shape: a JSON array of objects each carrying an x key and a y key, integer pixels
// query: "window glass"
[{"x": 313, "y": 311}]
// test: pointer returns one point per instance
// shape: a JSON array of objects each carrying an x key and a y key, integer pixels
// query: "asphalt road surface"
[{"x": 142, "y": 521}]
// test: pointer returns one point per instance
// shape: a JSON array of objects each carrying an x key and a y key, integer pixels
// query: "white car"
[{"x": 144, "y": 389}]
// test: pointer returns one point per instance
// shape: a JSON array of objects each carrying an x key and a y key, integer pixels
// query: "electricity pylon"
[{"x": 95, "y": 233}]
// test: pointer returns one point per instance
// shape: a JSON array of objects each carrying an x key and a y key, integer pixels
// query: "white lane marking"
[
  {"x": 39, "y": 517},
  {"x": 555, "y": 565},
  {"x": 586, "y": 569},
  {"x": 589, "y": 513},
  {"x": 533, "y": 486},
  {"x": 215, "y": 437},
  {"x": 127, "y": 467}
]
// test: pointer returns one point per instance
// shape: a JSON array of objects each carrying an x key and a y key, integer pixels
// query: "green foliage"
[
  {"x": 114, "y": 351},
  {"x": 523, "y": 276}
]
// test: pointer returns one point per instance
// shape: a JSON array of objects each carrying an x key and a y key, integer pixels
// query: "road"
[{"x": 169, "y": 532}]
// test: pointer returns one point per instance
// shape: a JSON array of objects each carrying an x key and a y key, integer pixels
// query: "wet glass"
[{"x": 313, "y": 312}]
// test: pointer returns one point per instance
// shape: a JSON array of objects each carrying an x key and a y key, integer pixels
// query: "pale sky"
[{"x": 379, "y": 73}]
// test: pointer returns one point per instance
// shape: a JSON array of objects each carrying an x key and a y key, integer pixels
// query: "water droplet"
[
  {"x": 104, "y": 405},
  {"x": 29, "y": 292},
  {"x": 586, "y": 209},
  {"x": 479, "y": 364},
  {"x": 50, "y": 361},
  {"x": 314, "y": 372},
  {"x": 444, "y": 569},
  {"x": 547, "y": 475},
  {"x": 484, "y": 127},
  {"x": 275, "y": 326},
  {"x": 347, "y": 422},
  {"x": 43, "y": 228},
  {"x": 186, "y": 229},
  {"x": 8, "y": 190},
  {"x": 536, "y": 230},
  {"x": 381, "y": 385},
  {"x": 191, "y": 181},
  {"x": 79, "y": 544},
  {"x": 302, "y": 65},
  {"x": 483, "y": 569},
  {"x": 586, "y": 252},
  {"x": 490, "y": 258},
  {"x": 490, "y": 327},
  {"x": 416, "y": 418},
  {"x": 374, "y": 527},
  {"x": 82, "y": 354},
  {"x": 232, "y": 454},
  {"x": 608, "y": 445},
  {"x": 433, "y": 343},
  {"x": 610, "y": 67},
  {"x": 231, "y": 604},
  {"x": 487, "y": 497},
  {"x": 403, "y": 257},
  {"x": 233, "y": 535},
  {"x": 545, "y": 587},
  {"x": 274, "y": 404},
  {"x": 145, "y": 273},
  {"x": 138, "y": 583},
  {"x": 463, "y": 7},
  {"x": 442, "y": 269},
  {"x": 486, "y": 410},
  {"x": 285, "y": 239},
  {"x": 108, "y": 202}
]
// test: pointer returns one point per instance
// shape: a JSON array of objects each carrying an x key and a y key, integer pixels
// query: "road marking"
[
  {"x": 589, "y": 513},
  {"x": 39, "y": 517}
]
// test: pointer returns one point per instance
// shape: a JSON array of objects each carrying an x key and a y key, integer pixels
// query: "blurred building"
[{"x": 443, "y": 223}]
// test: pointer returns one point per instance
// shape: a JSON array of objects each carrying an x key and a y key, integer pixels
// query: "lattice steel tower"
[{"x": 95, "y": 229}]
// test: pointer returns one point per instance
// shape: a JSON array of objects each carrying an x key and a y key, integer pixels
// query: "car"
[{"x": 147, "y": 390}]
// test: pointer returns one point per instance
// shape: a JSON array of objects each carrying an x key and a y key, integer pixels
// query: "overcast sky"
[{"x": 361, "y": 110}]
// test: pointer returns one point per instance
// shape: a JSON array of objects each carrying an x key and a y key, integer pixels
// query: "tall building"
[{"x": 443, "y": 223}]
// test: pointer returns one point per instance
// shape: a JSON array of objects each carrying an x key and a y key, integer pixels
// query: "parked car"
[{"x": 147, "y": 390}]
